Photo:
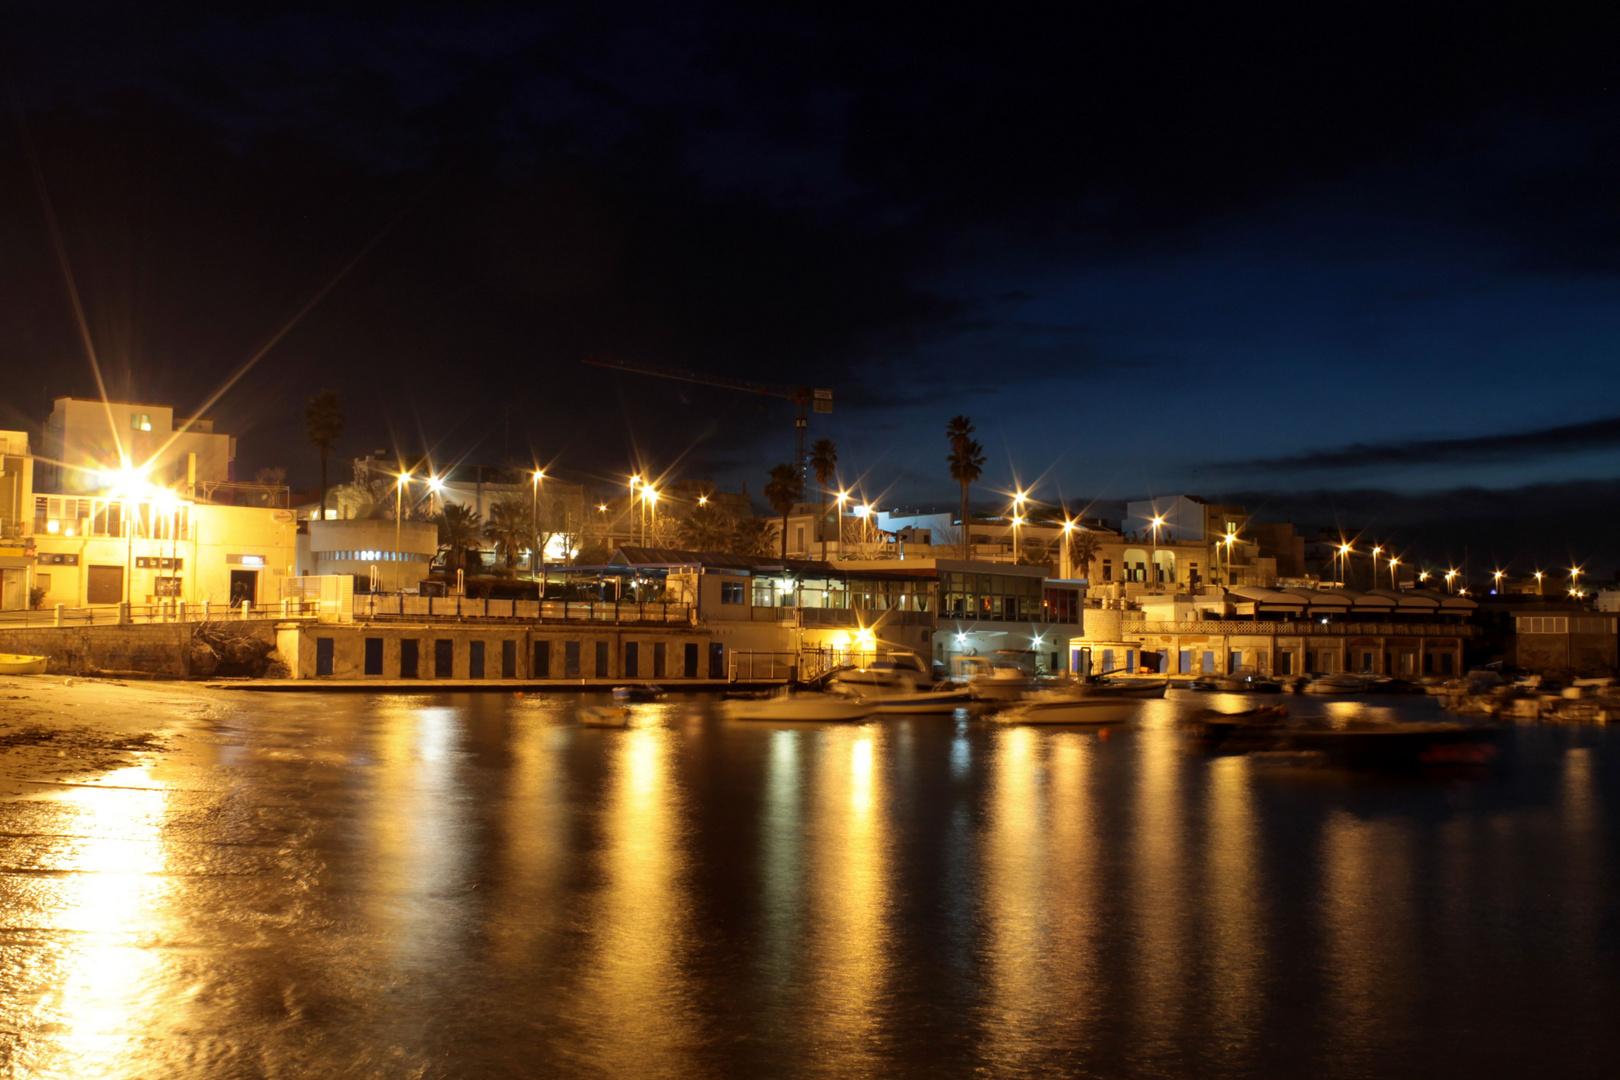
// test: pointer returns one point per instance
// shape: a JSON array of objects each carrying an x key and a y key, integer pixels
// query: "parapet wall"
[{"x": 79, "y": 650}]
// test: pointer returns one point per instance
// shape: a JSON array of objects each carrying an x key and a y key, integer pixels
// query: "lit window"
[{"x": 140, "y": 421}]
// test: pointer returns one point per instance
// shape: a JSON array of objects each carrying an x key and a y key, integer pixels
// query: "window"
[
  {"x": 1108, "y": 570},
  {"x": 691, "y": 658},
  {"x": 798, "y": 538},
  {"x": 43, "y": 582},
  {"x": 407, "y": 658},
  {"x": 323, "y": 656},
  {"x": 508, "y": 659},
  {"x": 475, "y": 659},
  {"x": 1548, "y": 624},
  {"x": 570, "y": 659},
  {"x": 632, "y": 658},
  {"x": 601, "y": 659},
  {"x": 731, "y": 592},
  {"x": 658, "y": 659},
  {"x": 542, "y": 661},
  {"x": 374, "y": 656},
  {"x": 444, "y": 658},
  {"x": 717, "y": 660},
  {"x": 140, "y": 421}
]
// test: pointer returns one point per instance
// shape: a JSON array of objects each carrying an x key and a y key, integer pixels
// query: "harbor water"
[{"x": 475, "y": 885}]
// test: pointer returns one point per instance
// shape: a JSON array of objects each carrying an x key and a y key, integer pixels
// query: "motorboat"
[
  {"x": 1342, "y": 682},
  {"x": 1137, "y": 689},
  {"x": 1358, "y": 742},
  {"x": 22, "y": 664},
  {"x": 1393, "y": 685},
  {"x": 945, "y": 697},
  {"x": 803, "y": 707},
  {"x": 638, "y": 692},
  {"x": 604, "y": 716},
  {"x": 1060, "y": 708},
  {"x": 901, "y": 674},
  {"x": 1247, "y": 683},
  {"x": 992, "y": 680}
]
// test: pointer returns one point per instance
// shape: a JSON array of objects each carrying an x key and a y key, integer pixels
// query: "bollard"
[
  {"x": 247, "y": 606},
  {"x": 205, "y": 611},
  {"x": 61, "y": 610},
  {"x": 180, "y": 610},
  {"x": 123, "y": 613}
]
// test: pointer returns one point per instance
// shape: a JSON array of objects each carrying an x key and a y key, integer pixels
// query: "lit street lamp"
[
  {"x": 1064, "y": 569},
  {"x": 399, "y": 516},
  {"x": 1376, "y": 549},
  {"x": 1018, "y": 510},
  {"x": 1538, "y": 582},
  {"x": 1496, "y": 575},
  {"x": 1450, "y": 574},
  {"x": 534, "y": 522},
  {"x": 1153, "y": 572},
  {"x": 1393, "y": 563},
  {"x": 1344, "y": 564}
]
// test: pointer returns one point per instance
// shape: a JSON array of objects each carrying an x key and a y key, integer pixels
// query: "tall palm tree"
[
  {"x": 782, "y": 491},
  {"x": 706, "y": 528},
  {"x": 750, "y": 536},
  {"x": 323, "y": 423},
  {"x": 824, "y": 463},
  {"x": 967, "y": 465},
  {"x": 1084, "y": 547},
  {"x": 459, "y": 531}
]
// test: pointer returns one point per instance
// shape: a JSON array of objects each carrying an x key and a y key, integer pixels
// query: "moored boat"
[
  {"x": 21, "y": 664},
  {"x": 638, "y": 692},
  {"x": 802, "y": 707},
  {"x": 1342, "y": 682},
  {"x": 943, "y": 698},
  {"x": 1056, "y": 708},
  {"x": 1136, "y": 689},
  {"x": 604, "y": 716}
]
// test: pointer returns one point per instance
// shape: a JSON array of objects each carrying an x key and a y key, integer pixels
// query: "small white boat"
[
  {"x": 604, "y": 716},
  {"x": 798, "y": 707},
  {"x": 925, "y": 701},
  {"x": 638, "y": 692},
  {"x": 901, "y": 674},
  {"x": 1342, "y": 682},
  {"x": 21, "y": 664},
  {"x": 1067, "y": 709}
]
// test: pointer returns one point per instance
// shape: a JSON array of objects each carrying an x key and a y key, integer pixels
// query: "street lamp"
[
  {"x": 1393, "y": 563},
  {"x": 649, "y": 497},
  {"x": 1450, "y": 574},
  {"x": 1497, "y": 575},
  {"x": 534, "y": 522},
  {"x": 634, "y": 480},
  {"x": 1344, "y": 564},
  {"x": 1158, "y": 520},
  {"x": 1231, "y": 538},
  {"x": 1376, "y": 549},
  {"x": 1423, "y": 575},
  {"x": 1538, "y": 582},
  {"x": 399, "y": 515},
  {"x": 1018, "y": 511},
  {"x": 1064, "y": 567}
]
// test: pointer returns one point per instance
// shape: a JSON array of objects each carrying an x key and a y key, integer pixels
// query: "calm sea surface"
[{"x": 473, "y": 885}]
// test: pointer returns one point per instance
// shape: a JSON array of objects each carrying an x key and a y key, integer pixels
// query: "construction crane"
[{"x": 805, "y": 398}]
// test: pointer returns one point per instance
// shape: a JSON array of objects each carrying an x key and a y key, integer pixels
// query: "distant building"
[{"x": 85, "y": 440}]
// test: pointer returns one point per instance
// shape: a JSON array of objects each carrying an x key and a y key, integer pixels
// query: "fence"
[
  {"x": 405, "y": 606},
  {"x": 173, "y": 611},
  {"x": 1332, "y": 629}
]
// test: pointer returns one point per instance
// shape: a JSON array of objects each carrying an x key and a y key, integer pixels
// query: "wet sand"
[{"x": 58, "y": 729}]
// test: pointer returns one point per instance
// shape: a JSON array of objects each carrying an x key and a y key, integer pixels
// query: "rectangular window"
[
  {"x": 1130, "y": 661},
  {"x": 444, "y": 659},
  {"x": 570, "y": 659},
  {"x": 658, "y": 659},
  {"x": 1207, "y": 663},
  {"x": 691, "y": 659},
  {"x": 632, "y": 658},
  {"x": 798, "y": 538},
  {"x": 140, "y": 421},
  {"x": 1108, "y": 570},
  {"x": 42, "y": 582},
  {"x": 1108, "y": 661},
  {"x": 731, "y": 592},
  {"x": 1285, "y": 663},
  {"x": 508, "y": 659},
  {"x": 475, "y": 659},
  {"x": 323, "y": 656},
  {"x": 407, "y": 658},
  {"x": 1446, "y": 662},
  {"x": 601, "y": 659},
  {"x": 1186, "y": 662},
  {"x": 374, "y": 653},
  {"x": 717, "y": 660},
  {"x": 542, "y": 661}
]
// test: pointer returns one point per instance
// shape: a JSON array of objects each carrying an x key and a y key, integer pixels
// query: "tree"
[
  {"x": 323, "y": 423},
  {"x": 511, "y": 528},
  {"x": 967, "y": 465},
  {"x": 752, "y": 536},
  {"x": 782, "y": 491},
  {"x": 707, "y": 528},
  {"x": 824, "y": 463},
  {"x": 459, "y": 530},
  {"x": 1084, "y": 547},
  {"x": 273, "y": 477}
]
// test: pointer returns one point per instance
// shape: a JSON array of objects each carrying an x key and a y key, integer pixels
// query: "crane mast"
[{"x": 805, "y": 399}]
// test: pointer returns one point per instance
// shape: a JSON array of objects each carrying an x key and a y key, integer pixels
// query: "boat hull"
[
  {"x": 604, "y": 716},
  {"x": 1084, "y": 710},
  {"x": 942, "y": 701},
  {"x": 18, "y": 664},
  {"x": 801, "y": 708}
]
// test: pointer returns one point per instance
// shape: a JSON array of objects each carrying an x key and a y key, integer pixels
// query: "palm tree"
[
  {"x": 707, "y": 528},
  {"x": 510, "y": 527},
  {"x": 751, "y": 536},
  {"x": 459, "y": 530},
  {"x": 323, "y": 423},
  {"x": 824, "y": 463},
  {"x": 1084, "y": 547},
  {"x": 967, "y": 465},
  {"x": 782, "y": 491}
]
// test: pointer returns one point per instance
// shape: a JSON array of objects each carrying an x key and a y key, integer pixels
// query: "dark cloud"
[{"x": 1602, "y": 434}]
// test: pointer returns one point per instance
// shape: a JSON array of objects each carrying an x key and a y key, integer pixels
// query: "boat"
[
  {"x": 902, "y": 673},
  {"x": 1061, "y": 708},
  {"x": 604, "y": 716},
  {"x": 1247, "y": 683},
  {"x": 1392, "y": 685},
  {"x": 1136, "y": 689},
  {"x": 638, "y": 692},
  {"x": 992, "y": 680},
  {"x": 1357, "y": 743},
  {"x": 1342, "y": 682},
  {"x": 945, "y": 697},
  {"x": 813, "y": 706},
  {"x": 22, "y": 664}
]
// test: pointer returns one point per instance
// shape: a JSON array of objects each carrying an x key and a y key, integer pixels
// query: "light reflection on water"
[{"x": 435, "y": 886}]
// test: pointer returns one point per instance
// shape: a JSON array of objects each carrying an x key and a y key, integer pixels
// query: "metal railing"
[
  {"x": 174, "y": 611},
  {"x": 404, "y": 606},
  {"x": 1331, "y": 629}
]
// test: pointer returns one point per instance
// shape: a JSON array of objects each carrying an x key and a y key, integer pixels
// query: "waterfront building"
[
  {"x": 379, "y": 556},
  {"x": 1281, "y": 632},
  {"x": 84, "y": 441}
]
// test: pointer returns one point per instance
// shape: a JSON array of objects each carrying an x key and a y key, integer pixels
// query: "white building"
[{"x": 85, "y": 441}]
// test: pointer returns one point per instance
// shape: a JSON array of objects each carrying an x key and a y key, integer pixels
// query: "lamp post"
[
  {"x": 1393, "y": 563},
  {"x": 1065, "y": 569},
  {"x": 1376, "y": 549},
  {"x": 1153, "y": 571},
  {"x": 649, "y": 496},
  {"x": 1344, "y": 564},
  {"x": 1423, "y": 575},
  {"x": 1018, "y": 511},
  {"x": 634, "y": 480},
  {"x": 1538, "y": 582},
  {"x": 1231, "y": 538},
  {"x": 1575, "y": 580},
  {"x": 534, "y": 522},
  {"x": 399, "y": 516},
  {"x": 1450, "y": 577},
  {"x": 1497, "y": 576}
]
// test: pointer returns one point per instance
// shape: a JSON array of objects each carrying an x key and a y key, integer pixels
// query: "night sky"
[{"x": 1356, "y": 264}]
